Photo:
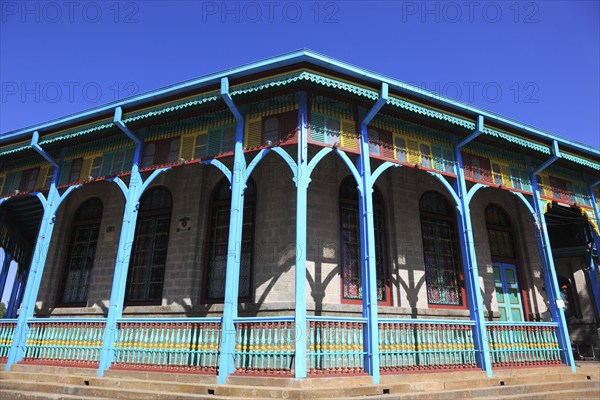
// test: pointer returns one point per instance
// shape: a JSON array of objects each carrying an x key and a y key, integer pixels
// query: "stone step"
[
  {"x": 22, "y": 395},
  {"x": 56, "y": 390},
  {"x": 558, "y": 395}
]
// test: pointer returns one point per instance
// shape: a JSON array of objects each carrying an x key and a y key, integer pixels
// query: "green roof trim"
[
  {"x": 581, "y": 161},
  {"x": 70, "y": 134},
  {"x": 167, "y": 108},
  {"x": 517, "y": 140},
  {"x": 431, "y": 113}
]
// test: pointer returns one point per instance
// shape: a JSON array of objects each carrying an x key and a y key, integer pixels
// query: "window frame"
[
  {"x": 387, "y": 301},
  {"x": 452, "y": 222},
  {"x": 509, "y": 260},
  {"x": 144, "y": 214},
  {"x": 67, "y": 256},
  {"x": 219, "y": 205}
]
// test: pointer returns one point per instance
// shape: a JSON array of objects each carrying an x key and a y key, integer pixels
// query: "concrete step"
[
  {"x": 559, "y": 394},
  {"x": 56, "y": 390},
  {"x": 21, "y": 395}
]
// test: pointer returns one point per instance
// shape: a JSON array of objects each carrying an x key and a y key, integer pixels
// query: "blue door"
[{"x": 508, "y": 294}]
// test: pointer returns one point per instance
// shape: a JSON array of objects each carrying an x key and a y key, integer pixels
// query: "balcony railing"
[
  {"x": 523, "y": 343},
  {"x": 174, "y": 344},
  {"x": 335, "y": 345},
  {"x": 265, "y": 345},
  {"x": 7, "y": 330},
  {"x": 64, "y": 341},
  {"x": 414, "y": 345}
]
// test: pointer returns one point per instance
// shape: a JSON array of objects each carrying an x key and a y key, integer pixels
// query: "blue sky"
[{"x": 533, "y": 61}]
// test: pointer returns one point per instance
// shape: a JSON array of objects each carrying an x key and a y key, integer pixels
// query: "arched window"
[
  {"x": 77, "y": 272},
  {"x": 499, "y": 232},
  {"x": 217, "y": 243},
  {"x": 149, "y": 254},
  {"x": 350, "y": 243},
  {"x": 442, "y": 273}
]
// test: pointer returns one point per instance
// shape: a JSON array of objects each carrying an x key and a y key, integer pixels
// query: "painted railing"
[
  {"x": 64, "y": 341},
  {"x": 523, "y": 343},
  {"x": 7, "y": 330},
  {"x": 416, "y": 345},
  {"x": 174, "y": 344},
  {"x": 335, "y": 345},
  {"x": 265, "y": 345}
]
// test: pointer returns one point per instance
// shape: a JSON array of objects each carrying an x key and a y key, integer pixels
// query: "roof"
[{"x": 290, "y": 59}]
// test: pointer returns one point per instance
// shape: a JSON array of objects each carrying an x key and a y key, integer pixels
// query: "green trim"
[
  {"x": 431, "y": 113},
  {"x": 581, "y": 161},
  {"x": 163, "y": 109},
  {"x": 517, "y": 140}
]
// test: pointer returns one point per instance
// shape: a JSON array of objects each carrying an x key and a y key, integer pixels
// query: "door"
[{"x": 508, "y": 294}]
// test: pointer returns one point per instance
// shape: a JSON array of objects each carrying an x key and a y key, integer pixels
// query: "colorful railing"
[
  {"x": 64, "y": 341},
  {"x": 523, "y": 343},
  {"x": 174, "y": 344},
  {"x": 7, "y": 330},
  {"x": 335, "y": 345},
  {"x": 265, "y": 346},
  {"x": 416, "y": 345}
]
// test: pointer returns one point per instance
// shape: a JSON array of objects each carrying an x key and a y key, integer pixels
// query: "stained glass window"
[
  {"x": 82, "y": 252},
  {"x": 149, "y": 254},
  {"x": 442, "y": 275},
  {"x": 214, "y": 282},
  {"x": 350, "y": 246}
]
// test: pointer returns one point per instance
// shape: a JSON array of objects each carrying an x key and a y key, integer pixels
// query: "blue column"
[
  {"x": 592, "y": 267},
  {"x": 549, "y": 272},
  {"x": 302, "y": 182},
  {"x": 126, "y": 237},
  {"x": 36, "y": 269},
  {"x": 238, "y": 185},
  {"x": 16, "y": 294},
  {"x": 6, "y": 264},
  {"x": 471, "y": 270}
]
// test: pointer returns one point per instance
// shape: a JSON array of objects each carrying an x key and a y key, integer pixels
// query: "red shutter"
[{"x": 387, "y": 146}]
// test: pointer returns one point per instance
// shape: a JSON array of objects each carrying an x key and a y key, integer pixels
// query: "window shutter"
[
  {"x": 128, "y": 162},
  {"x": 107, "y": 162},
  {"x": 317, "y": 127},
  {"x": 506, "y": 181},
  {"x": 288, "y": 125},
  {"x": 186, "y": 148},
  {"x": 86, "y": 169},
  {"x": 414, "y": 156},
  {"x": 253, "y": 134},
  {"x": 215, "y": 142},
  {"x": 64, "y": 172},
  {"x": 349, "y": 136},
  {"x": 387, "y": 147},
  {"x": 41, "y": 180},
  {"x": 486, "y": 169},
  {"x": 448, "y": 160},
  {"x": 438, "y": 160},
  {"x": 13, "y": 180},
  {"x": 525, "y": 181}
]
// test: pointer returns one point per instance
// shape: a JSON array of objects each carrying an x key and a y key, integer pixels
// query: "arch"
[
  {"x": 264, "y": 152},
  {"x": 448, "y": 187},
  {"x": 149, "y": 252},
  {"x": 381, "y": 169},
  {"x": 77, "y": 267},
  {"x": 328, "y": 150},
  {"x": 443, "y": 276},
  {"x": 350, "y": 260},
  {"x": 217, "y": 237}
]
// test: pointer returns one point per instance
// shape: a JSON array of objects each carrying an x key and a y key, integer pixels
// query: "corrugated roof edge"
[{"x": 297, "y": 56}]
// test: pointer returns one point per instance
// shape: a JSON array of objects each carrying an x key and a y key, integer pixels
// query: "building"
[{"x": 165, "y": 231}]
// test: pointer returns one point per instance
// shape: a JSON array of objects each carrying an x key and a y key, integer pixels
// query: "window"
[
  {"x": 442, "y": 275},
  {"x": 400, "y": 149},
  {"x": 425, "y": 156},
  {"x": 217, "y": 246},
  {"x": 561, "y": 189},
  {"x": 520, "y": 179},
  {"x": 85, "y": 230},
  {"x": 157, "y": 153},
  {"x": 380, "y": 143},
  {"x": 280, "y": 127},
  {"x": 28, "y": 179},
  {"x": 497, "y": 173},
  {"x": 75, "y": 170},
  {"x": 95, "y": 169},
  {"x": 350, "y": 243},
  {"x": 477, "y": 168},
  {"x": 149, "y": 253},
  {"x": 324, "y": 128},
  {"x": 499, "y": 232}
]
